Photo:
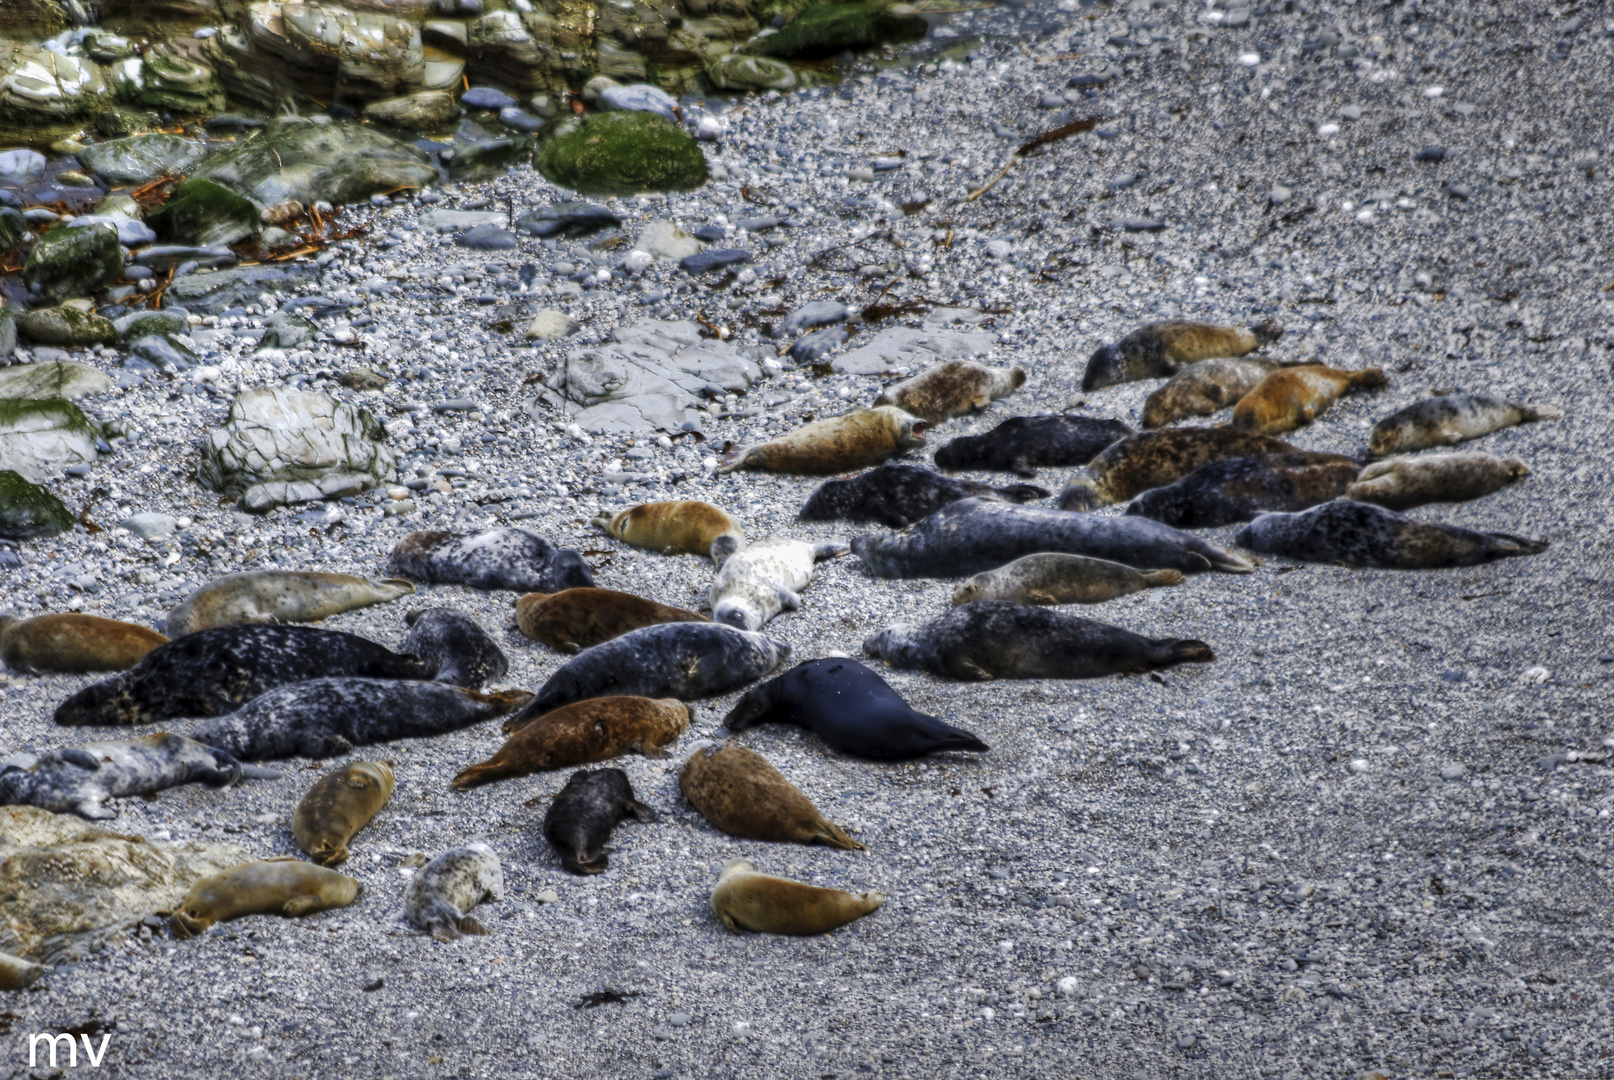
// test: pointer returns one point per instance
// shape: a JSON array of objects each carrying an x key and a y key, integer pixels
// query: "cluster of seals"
[
  {"x": 453, "y": 648},
  {"x": 852, "y": 709},
  {"x": 1024, "y": 444},
  {"x": 80, "y": 780},
  {"x": 442, "y": 893},
  {"x": 270, "y": 596},
  {"x": 1157, "y": 350},
  {"x": 284, "y": 886},
  {"x": 1054, "y": 578},
  {"x": 952, "y": 389},
  {"x": 739, "y": 792},
  {"x": 767, "y": 577},
  {"x": 1157, "y": 458},
  {"x": 1205, "y": 388},
  {"x": 338, "y": 805},
  {"x": 581, "y": 733},
  {"x": 1237, "y": 489},
  {"x": 898, "y": 494},
  {"x": 685, "y": 527},
  {"x": 1447, "y": 420},
  {"x": 576, "y": 619},
  {"x": 71, "y": 643},
  {"x": 999, "y": 640},
  {"x": 1292, "y": 397},
  {"x": 1402, "y": 483},
  {"x": 747, "y": 900},
  {"x": 580, "y": 820},
  {"x": 836, "y": 445},
  {"x": 1361, "y": 534},
  {"x": 502, "y": 558}
]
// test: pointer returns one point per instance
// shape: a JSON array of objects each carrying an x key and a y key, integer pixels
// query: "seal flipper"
[
  {"x": 1506, "y": 545},
  {"x": 1024, "y": 493},
  {"x": 788, "y": 600},
  {"x": 82, "y": 758},
  {"x": 638, "y": 811},
  {"x": 470, "y": 924},
  {"x": 95, "y": 810},
  {"x": 300, "y": 905},
  {"x": 968, "y": 670},
  {"x": 829, "y": 834},
  {"x": 1153, "y": 579},
  {"x": 829, "y": 550}
]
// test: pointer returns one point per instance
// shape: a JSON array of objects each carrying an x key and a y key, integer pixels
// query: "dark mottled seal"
[
  {"x": 747, "y": 900},
  {"x": 835, "y": 445},
  {"x": 1024, "y": 444},
  {"x": 71, "y": 643},
  {"x": 575, "y": 619},
  {"x": 999, "y": 640},
  {"x": 80, "y": 780},
  {"x": 1161, "y": 349},
  {"x": 1449, "y": 419},
  {"x": 283, "y": 886},
  {"x": 1402, "y": 483},
  {"x": 582, "y": 733},
  {"x": 898, "y": 494},
  {"x": 739, "y": 792},
  {"x": 442, "y": 893},
  {"x": 1294, "y": 396},
  {"x": 502, "y": 558},
  {"x": 1360, "y": 534},
  {"x": 584, "y": 813},
  {"x": 1237, "y": 489},
  {"x": 454, "y": 648},
  {"x": 1157, "y": 458},
  {"x": 952, "y": 389},
  {"x": 852, "y": 709},
  {"x": 973, "y": 535},
  {"x": 338, "y": 805},
  {"x": 212, "y": 672}
]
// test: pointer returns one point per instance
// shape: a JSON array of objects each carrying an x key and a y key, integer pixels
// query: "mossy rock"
[
  {"x": 28, "y": 511},
  {"x": 622, "y": 153},
  {"x": 293, "y": 159},
  {"x": 12, "y": 228},
  {"x": 828, "y": 29},
  {"x": 66, "y": 263},
  {"x": 39, "y": 437},
  {"x": 119, "y": 122},
  {"x": 202, "y": 212},
  {"x": 66, "y": 325}
]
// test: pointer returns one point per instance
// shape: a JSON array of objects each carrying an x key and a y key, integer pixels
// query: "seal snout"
[{"x": 1104, "y": 368}]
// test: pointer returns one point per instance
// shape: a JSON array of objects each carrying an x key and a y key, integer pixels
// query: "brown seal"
[
  {"x": 1402, "y": 483},
  {"x": 1155, "y": 458},
  {"x": 836, "y": 445},
  {"x": 952, "y": 389},
  {"x": 1157, "y": 350},
  {"x": 1293, "y": 397},
  {"x": 595, "y": 729},
  {"x": 575, "y": 619},
  {"x": 739, "y": 792},
  {"x": 338, "y": 805},
  {"x": 747, "y": 900},
  {"x": 283, "y": 886},
  {"x": 71, "y": 643},
  {"x": 685, "y": 527},
  {"x": 1205, "y": 388},
  {"x": 1050, "y": 577}
]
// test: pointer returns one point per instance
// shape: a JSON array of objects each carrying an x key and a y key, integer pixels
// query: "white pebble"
[
  {"x": 708, "y": 462},
  {"x": 1066, "y": 986},
  {"x": 742, "y": 1028},
  {"x": 1249, "y": 59},
  {"x": 1535, "y": 675},
  {"x": 1358, "y": 765},
  {"x": 637, "y": 262},
  {"x": 1434, "y": 91},
  {"x": 1327, "y": 130},
  {"x": 1364, "y": 216}
]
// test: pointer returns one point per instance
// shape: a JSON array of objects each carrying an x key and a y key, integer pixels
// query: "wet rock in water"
[
  {"x": 137, "y": 324},
  {"x": 172, "y": 75},
  {"x": 824, "y": 30},
  {"x": 640, "y": 97},
  {"x": 203, "y": 212},
  {"x": 567, "y": 219},
  {"x": 486, "y": 97},
  {"x": 65, "y": 379},
  {"x": 295, "y": 160},
  {"x": 28, "y": 511},
  {"x": 500, "y": 48},
  {"x": 42, "y": 91},
  {"x": 66, "y": 325},
  {"x": 813, "y": 314},
  {"x": 119, "y": 122},
  {"x": 41, "y": 437},
  {"x": 733, "y": 71},
  {"x": 68, "y": 263},
  {"x": 160, "y": 257},
  {"x": 476, "y": 159},
  {"x": 622, "y": 153},
  {"x": 140, "y": 158},
  {"x": 22, "y": 166},
  {"x": 132, "y": 232},
  {"x": 428, "y": 110}
]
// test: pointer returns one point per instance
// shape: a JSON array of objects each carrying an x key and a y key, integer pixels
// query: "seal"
[
  {"x": 952, "y": 389},
  {"x": 1361, "y": 534},
  {"x": 1402, "y": 483},
  {"x": 321, "y": 718},
  {"x": 1023, "y": 444},
  {"x": 503, "y": 558},
  {"x": 445, "y": 889},
  {"x": 1157, "y": 350},
  {"x": 582, "y": 733},
  {"x": 740, "y": 793},
  {"x": 212, "y": 672},
  {"x": 1156, "y": 458},
  {"x": 81, "y": 780},
  {"x": 1237, "y": 489},
  {"x": 1449, "y": 419},
  {"x": 71, "y": 643},
  {"x": 454, "y": 648},
  {"x": 1051, "y": 578},
  {"x": 1205, "y": 388},
  {"x": 584, "y": 813},
  {"x": 283, "y": 886},
  {"x": 898, "y": 494},
  {"x": 998, "y": 640},
  {"x": 836, "y": 445},
  {"x": 763, "y": 579},
  {"x": 338, "y": 805},
  {"x": 974, "y": 535},
  {"x": 677, "y": 660},
  {"x": 1292, "y": 397},
  {"x": 268, "y": 596},
  {"x": 685, "y": 527},
  {"x": 852, "y": 709},
  {"x": 574, "y": 619},
  {"x": 747, "y": 900},
  {"x": 19, "y": 974}
]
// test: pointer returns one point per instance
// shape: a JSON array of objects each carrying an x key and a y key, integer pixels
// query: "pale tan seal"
[
  {"x": 1402, "y": 483},
  {"x": 283, "y": 886},
  {"x": 595, "y": 729},
  {"x": 836, "y": 445},
  {"x": 1448, "y": 419},
  {"x": 440, "y": 896},
  {"x": 1053, "y": 578},
  {"x": 765, "y": 578},
  {"x": 684, "y": 527},
  {"x": 1293, "y": 397},
  {"x": 1157, "y": 350},
  {"x": 747, "y": 900},
  {"x": 1205, "y": 388},
  {"x": 739, "y": 792},
  {"x": 575, "y": 619},
  {"x": 338, "y": 805},
  {"x": 71, "y": 643},
  {"x": 952, "y": 389},
  {"x": 270, "y": 596}
]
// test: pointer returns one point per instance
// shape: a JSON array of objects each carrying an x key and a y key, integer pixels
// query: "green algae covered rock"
[
  {"x": 622, "y": 153},
  {"x": 67, "y": 263},
  {"x": 827, "y": 29},
  {"x": 28, "y": 511},
  {"x": 202, "y": 212}
]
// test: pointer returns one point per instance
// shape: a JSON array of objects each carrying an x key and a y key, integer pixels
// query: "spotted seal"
[
  {"x": 836, "y": 445},
  {"x": 1449, "y": 419},
  {"x": 1205, "y": 388},
  {"x": 1292, "y": 397},
  {"x": 574, "y": 619},
  {"x": 454, "y": 648},
  {"x": 582, "y": 733},
  {"x": 80, "y": 780},
  {"x": 1361, "y": 534},
  {"x": 1237, "y": 489},
  {"x": 502, "y": 558},
  {"x": 747, "y": 900},
  {"x": 1053, "y": 578},
  {"x": 898, "y": 494},
  {"x": 952, "y": 389},
  {"x": 999, "y": 640},
  {"x": 1157, "y": 350},
  {"x": 580, "y": 820},
  {"x": 1402, "y": 483},
  {"x": 283, "y": 886},
  {"x": 268, "y": 596},
  {"x": 338, "y": 805},
  {"x": 765, "y": 578},
  {"x": 684, "y": 527},
  {"x": 71, "y": 643},
  {"x": 1023, "y": 444},
  {"x": 852, "y": 709},
  {"x": 442, "y": 892},
  {"x": 1156, "y": 458},
  {"x": 740, "y": 793}
]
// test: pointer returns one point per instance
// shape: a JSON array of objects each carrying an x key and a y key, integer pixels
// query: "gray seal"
[
  {"x": 765, "y": 578},
  {"x": 502, "y": 558},
  {"x": 454, "y": 648},
  {"x": 584, "y": 813},
  {"x": 1237, "y": 489},
  {"x": 1158, "y": 350},
  {"x": 1023, "y": 444},
  {"x": 1404, "y": 482},
  {"x": 442, "y": 892},
  {"x": 898, "y": 494},
  {"x": 1449, "y": 419},
  {"x": 1360, "y": 534},
  {"x": 80, "y": 780}
]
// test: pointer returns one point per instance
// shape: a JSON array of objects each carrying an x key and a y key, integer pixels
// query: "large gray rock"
[
  {"x": 43, "y": 89},
  {"x": 337, "y": 163},
  {"x": 375, "y": 56},
  {"x": 29, "y": 511},
  {"x": 202, "y": 212},
  {"x": 428, "y": 110},
  {"x": 68, "y": 263},
  {"x": 68, "y": 380},
  {"x": 901, "y": 346},
  {"x": 169, "y": 76},
  {"x": 210, "y": 293},
  {"x": 140, "y": 158},
  {"x": 66, "y": 325},
  {"x": 40, "y": 437}
]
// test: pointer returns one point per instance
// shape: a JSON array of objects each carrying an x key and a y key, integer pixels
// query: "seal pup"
[
  {"x": 974, "y": 535},
  {"x": 80, "y": 780},
  {"x": 836, "y": 445},
  {"x": 321, "y": 718},
  {"x": 267, "y": 596},
  {"x": 998, "y": 640},
  {"x": 582, "y": 733},
  {"x": 684, "y": 527},
  {"x": 898, "y": 494},
  {"x": 767, "y": 577},
  {"x": 1156, "y": 350},
  {"x": 443, "y": 891},
  {"x": 740, "y": 793},
  {"x": 1402, "y": 483},
  {"x": 338, "y": 805},
  {"x": 1205, "y": 388},
  {"x": 1237, "y": 489},
  {"x": 283, "y": 886},
  {"x": 584, "y": 813},
  {"x": 747, "y": 900},
  {"x": 502, "y": 558},
  {"x": 17, "y": 973},
  {"x": 212, "y": 672},
  {"x": 1292, "y": 397},
  {"x": 575, "y": 619},
  {"x": 952, "y": 389},
  {"x": 71, "y": 643},
  {"x": 1449, "y": 419},
  {"x": 1361, "y": 534},
  {"x": 1052, "y": 578},
  {"x": 1023, "y": 444},
  {"x": 1156, "y": 458},
  {"x": 454, "y": 648},
  {"x": 852, "y": 709}
]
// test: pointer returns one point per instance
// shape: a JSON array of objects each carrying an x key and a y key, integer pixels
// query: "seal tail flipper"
[
  {"x": 1529, "y": 414},
  {"x": 258, "y": 772},
  {"x": 1505, "y": 545},
  {"x": 1153, "y": 579},
  {"x": 1188, "y": 651},
  {"x": 482, "y": 773},
  {"x": 638, "y": 811},
  {"x": 602, "y": 521},
  {"x": 327, "y": 854},
  {"x": 1021, "y": 466},
  {"x": 1022, "y": 493},
  {"x": 1229, "y": 563},
  {"x": 580, "y": 863},
  {"x": 831, "y": 550},
  {"x": 1369, "y": 378},
  {"x": 470, "y": 924},
  {"x": 830, "y": 835},
  {"x": 1265, "y": 333}
]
